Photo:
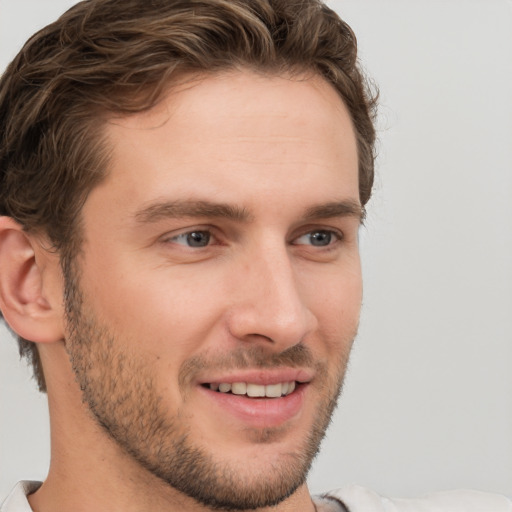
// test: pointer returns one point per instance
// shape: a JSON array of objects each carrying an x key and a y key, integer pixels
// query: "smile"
[{"x": 255, "y": 390}]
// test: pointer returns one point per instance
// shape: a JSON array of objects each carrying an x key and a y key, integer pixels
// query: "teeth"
[
  {"x": 239, "y": 388},
  {"x": 274, "y": 390},
  {"x": 255, "y": 390}
]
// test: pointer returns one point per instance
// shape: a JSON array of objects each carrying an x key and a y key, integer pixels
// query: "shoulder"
[
  {"x": 359, "y": 499},
  {"x": 17, "y": 500}
]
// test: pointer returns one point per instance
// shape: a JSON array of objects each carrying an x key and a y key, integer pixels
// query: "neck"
[{"x": 88, "y": 493}]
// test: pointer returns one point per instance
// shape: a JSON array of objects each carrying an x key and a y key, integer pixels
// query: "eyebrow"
[
  {"x": 333, "y": 209},
  {"x": 197, "y": 208},
  {"x": 192, "y": 208}
]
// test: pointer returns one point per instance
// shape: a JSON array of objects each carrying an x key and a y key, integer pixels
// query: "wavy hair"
[{"x": 107, "y": 57}]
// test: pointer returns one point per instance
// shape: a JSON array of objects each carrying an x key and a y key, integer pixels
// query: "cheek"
[
  {"x": 163, "y": 318},
  {"x": 337, "y": 306},
  {"x": 144, "y": 296},
  {"x": 336, "y": 295}
]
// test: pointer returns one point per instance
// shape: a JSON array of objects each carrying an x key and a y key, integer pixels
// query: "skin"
[{"x": 154, "y": 319}]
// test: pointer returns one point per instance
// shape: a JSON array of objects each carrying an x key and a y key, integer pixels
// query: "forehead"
[
  {"x": 232, "y": 131},
  {"x": 214, "y": 97}
]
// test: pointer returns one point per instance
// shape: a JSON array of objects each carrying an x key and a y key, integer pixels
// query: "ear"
[{"x": 30, "y": 300}]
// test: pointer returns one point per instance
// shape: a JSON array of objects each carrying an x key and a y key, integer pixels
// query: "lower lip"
[{"x": 259, "y": 412}]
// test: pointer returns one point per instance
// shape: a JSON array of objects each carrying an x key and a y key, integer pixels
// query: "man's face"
[{"x": 218, "y": 292}]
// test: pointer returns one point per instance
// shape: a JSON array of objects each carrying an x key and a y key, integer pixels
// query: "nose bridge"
[{"x": 271, "y": 303}]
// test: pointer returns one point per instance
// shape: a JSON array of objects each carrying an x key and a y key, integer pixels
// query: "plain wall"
[{"x": 427, "y": 402}]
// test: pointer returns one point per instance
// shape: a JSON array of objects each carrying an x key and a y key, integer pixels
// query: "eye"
[
  {"x": 318, "y": 238},
  {"x": 198, "y": 238}
]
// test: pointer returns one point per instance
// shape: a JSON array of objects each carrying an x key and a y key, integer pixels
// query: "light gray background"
[{"x": 427, "y": 403}]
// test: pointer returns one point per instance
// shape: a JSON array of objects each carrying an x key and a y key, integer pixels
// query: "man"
[{"x": 182, "y": 187}]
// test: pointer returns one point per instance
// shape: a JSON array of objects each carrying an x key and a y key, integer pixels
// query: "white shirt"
[
  {"x": 359, "y": 499},
  {"x": 355, "y": 499}
]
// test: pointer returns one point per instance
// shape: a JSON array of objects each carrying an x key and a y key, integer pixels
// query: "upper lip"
[{"x": 260, "y": 376}]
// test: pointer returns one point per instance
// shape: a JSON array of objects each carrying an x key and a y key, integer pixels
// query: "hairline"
[{"x": 183, "y": 80}]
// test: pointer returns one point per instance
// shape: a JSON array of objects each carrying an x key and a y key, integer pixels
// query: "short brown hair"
[{"x": 107, "y": 57}]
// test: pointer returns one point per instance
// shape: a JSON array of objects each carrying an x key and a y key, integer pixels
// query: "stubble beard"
[{"x": 123, "y": 398}]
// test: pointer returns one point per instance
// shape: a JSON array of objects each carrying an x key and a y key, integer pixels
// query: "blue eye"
[
  {"x": 193, "y": 238},
  {"x": 319, "y": 238}
]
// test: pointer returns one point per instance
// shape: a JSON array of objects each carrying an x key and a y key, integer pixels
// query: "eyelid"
[
  {"x": 184, "y": 237},
  {"x": 337, "y": 233},
  {"x": 171, "y": 237}
]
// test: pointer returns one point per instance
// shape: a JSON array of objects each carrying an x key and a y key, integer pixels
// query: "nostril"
[{"x": 255, "y": 337}]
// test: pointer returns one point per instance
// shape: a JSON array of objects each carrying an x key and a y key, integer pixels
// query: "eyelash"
[
  {"x": 188, "y": 234},
  {"x": 333, "y": 237}
]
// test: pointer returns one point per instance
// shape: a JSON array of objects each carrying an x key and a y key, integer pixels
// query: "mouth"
[
  {"x": 258, "y": 398},
  {"x": 253, "y": 390}
]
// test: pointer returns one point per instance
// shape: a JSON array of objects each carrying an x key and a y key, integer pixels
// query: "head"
[{"x": 109, "y": 65}]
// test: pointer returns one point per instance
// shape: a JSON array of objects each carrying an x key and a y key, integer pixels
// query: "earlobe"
[{"x": 27, "y": 305}]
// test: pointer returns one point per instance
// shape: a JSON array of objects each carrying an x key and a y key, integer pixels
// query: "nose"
[{"x": 269, "y": 304}]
